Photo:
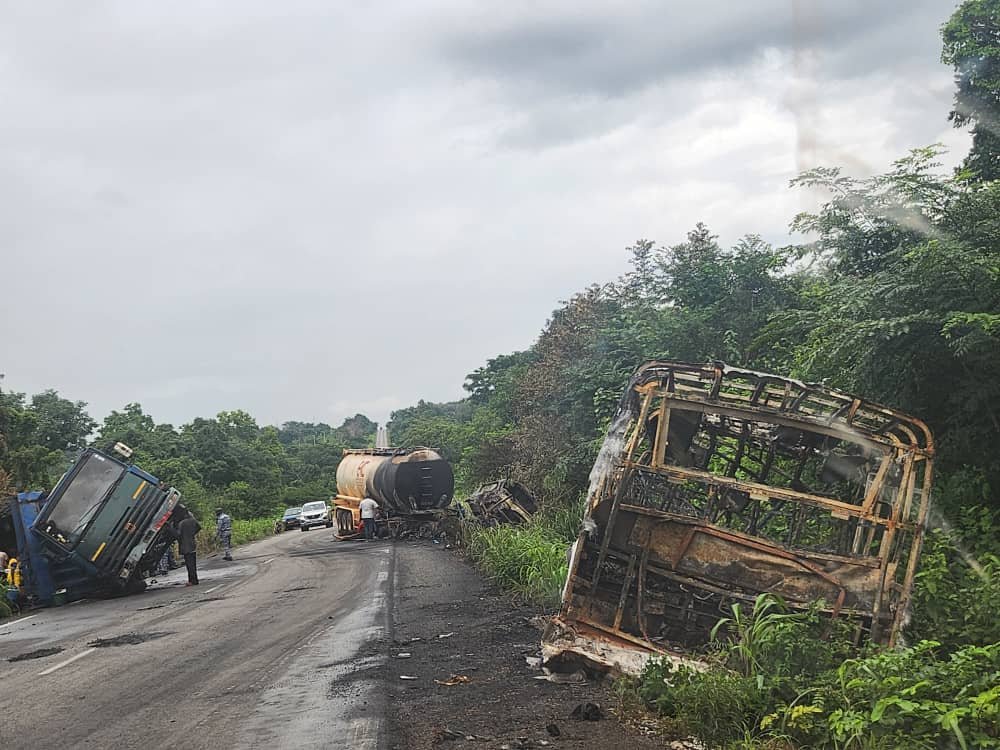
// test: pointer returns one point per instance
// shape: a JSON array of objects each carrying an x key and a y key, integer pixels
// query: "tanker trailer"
[{"x": 410, "y": 486}]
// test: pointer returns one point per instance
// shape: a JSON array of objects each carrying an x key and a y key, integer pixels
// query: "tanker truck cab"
[{"x": 316, "y": 513}]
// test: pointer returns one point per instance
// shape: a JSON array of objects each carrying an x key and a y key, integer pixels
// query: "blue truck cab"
[{"x": 98, "y": 532}]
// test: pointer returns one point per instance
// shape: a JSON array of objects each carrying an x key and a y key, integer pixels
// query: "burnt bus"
[{"x": 718, "y": 484}]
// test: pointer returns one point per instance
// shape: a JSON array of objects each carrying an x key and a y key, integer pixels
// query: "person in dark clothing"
[{"x": 187, "y": 529}]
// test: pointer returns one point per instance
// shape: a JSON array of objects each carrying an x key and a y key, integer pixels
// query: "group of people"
[{"x": 186, "y": 532}]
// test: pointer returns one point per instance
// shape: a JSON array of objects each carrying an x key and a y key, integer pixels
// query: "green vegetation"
[
  {"x": 530, "y": 560},
  {"x": 777, "y": 680},
  {"x": 229, "y": 461},
  {"x": 893, "y": 293},
  {"x": 244, "y": 531}
]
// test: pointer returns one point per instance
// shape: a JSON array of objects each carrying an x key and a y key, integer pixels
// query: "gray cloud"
[{"x": 306, "y": 210}]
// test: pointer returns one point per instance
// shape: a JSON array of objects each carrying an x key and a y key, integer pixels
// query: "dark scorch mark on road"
[
  {"x": 129, "y": 639},
  {"x": 39, "y": 654}
]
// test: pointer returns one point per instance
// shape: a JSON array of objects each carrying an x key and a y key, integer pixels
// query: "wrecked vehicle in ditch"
[
  {"x": 502, "y": 502},
  {"x": 716, "y": 484}
]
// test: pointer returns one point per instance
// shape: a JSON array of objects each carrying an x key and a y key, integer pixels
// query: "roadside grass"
[
  {"x": 244, "y": 531},
  {"x": 529, "y": 560}
]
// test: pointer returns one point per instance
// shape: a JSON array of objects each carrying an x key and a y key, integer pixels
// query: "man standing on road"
[
  {"x": 368, "y": 508},
  {"x": 187, "y": 530},
  {"x": 224, "y": 532}
]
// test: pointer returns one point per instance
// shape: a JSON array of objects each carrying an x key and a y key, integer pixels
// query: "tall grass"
[
  {"x": 529, "y": 560},
  {"x": 244, "y": 531}
]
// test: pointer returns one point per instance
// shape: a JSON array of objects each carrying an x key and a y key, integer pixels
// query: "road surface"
[{"x": 244, "y": 660}]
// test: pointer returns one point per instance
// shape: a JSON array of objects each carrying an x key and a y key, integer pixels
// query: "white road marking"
[
  {"x": 69, "y": 661},
  {"x": 383, "y": 576},
  {"x": 15, "y": 622},
  {"x": 214, "y": 588},
  {"x": 269, "y": 560}
]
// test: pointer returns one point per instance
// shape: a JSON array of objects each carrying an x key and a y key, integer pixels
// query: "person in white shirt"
[{"x": 368, "y": 508}]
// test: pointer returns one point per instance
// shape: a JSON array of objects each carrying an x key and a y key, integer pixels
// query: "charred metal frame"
[{"x": 726, "y": 483}]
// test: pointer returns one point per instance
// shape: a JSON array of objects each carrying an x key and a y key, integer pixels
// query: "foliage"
[
  {"x": 715, "y": 705},
  {"x": 37, "y": 436},
  {"x": 908, "y": 698},
  {"x": 783, "y": 689},
  {"x": 244, "y": 532},
  {"x": 229, "y": 460},
  {"x": 958, "y": 581},
  {"x": 529, "y": 560},
  {"x": 780, "y": 648},
  {"x": 972, "y": 45}
]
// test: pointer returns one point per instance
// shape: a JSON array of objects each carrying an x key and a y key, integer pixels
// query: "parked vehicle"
[
  {"x": 316, "y": 513},
  {"x": 290, "y": 519}
]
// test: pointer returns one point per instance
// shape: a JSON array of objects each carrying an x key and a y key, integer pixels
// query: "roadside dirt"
[{"x": 461, "y": 631}]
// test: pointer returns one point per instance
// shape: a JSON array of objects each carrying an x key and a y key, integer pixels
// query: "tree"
[
  {"x": 916, "y": 326},
  {"x": 60, "y": 424},
  {"x": 972, "y": 45}
]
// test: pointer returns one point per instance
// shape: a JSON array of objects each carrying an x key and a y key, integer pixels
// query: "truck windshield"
[{"x": 82, "y": 498}]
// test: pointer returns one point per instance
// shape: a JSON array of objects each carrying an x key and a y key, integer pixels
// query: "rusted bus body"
[{"x": 726, "y": 483}]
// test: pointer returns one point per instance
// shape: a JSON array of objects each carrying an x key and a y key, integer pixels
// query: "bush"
[
  {"x": 908, "y": 698},
  {"x": 773, "y": 678},
  {"x": 716, "y": 706},
  {"x": 956, "y": 590},
  {"x": 244, "y": 531},
  {"x": 529, "y": 560},
  {"x": 5, "y": 610}
]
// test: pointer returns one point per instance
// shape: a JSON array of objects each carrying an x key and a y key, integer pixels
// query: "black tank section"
[{"x": 413, "y": 483}]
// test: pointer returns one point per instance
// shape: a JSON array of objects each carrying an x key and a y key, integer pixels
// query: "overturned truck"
[
  {"x": 502, "y": 502},
  {"x": 717, "y": 484}
]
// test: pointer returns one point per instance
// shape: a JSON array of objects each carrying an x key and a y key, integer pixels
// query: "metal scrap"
[
  {"x": 722, "y": 483},
  {"x": 502, "y": 502}
]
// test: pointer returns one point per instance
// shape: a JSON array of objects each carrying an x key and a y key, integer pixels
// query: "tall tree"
[{"x": 972, "y": 45}]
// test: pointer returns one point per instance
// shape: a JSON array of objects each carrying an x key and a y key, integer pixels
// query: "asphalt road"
[{"x": 244, "y": 660}]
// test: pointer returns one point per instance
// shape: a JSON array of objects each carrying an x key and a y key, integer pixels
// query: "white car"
[{"x": 315, "y": 514}]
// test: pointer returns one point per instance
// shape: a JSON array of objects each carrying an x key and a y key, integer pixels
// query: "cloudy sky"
[{"x": 308, "y": 209}]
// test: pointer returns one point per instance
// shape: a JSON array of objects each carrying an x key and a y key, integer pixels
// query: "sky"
[{"x": 310, "y": 209}]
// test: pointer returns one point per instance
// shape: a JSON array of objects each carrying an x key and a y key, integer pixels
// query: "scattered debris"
[
  {"x": 563, "y": 678},
  {"x": 446, "y": 735},
  {"x": 538, "y": 622},
  {"x": 129, "y": 639},
  {"x": 535, "y": 662},
  {"x": 403, "y": 655},
  {"x": 553, "y": 730},
  {"x": 37, "y": 654},
  {"x": 502, "y": 502},
  {"x": 587, "y": 712},
  {"x": 446, "y": 635},
  {"x": 408, "y": 677},
  {"x": 455, "y": 679}
]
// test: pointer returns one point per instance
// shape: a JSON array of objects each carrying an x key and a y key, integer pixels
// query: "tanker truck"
[{"x": 411, "y": 487}]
